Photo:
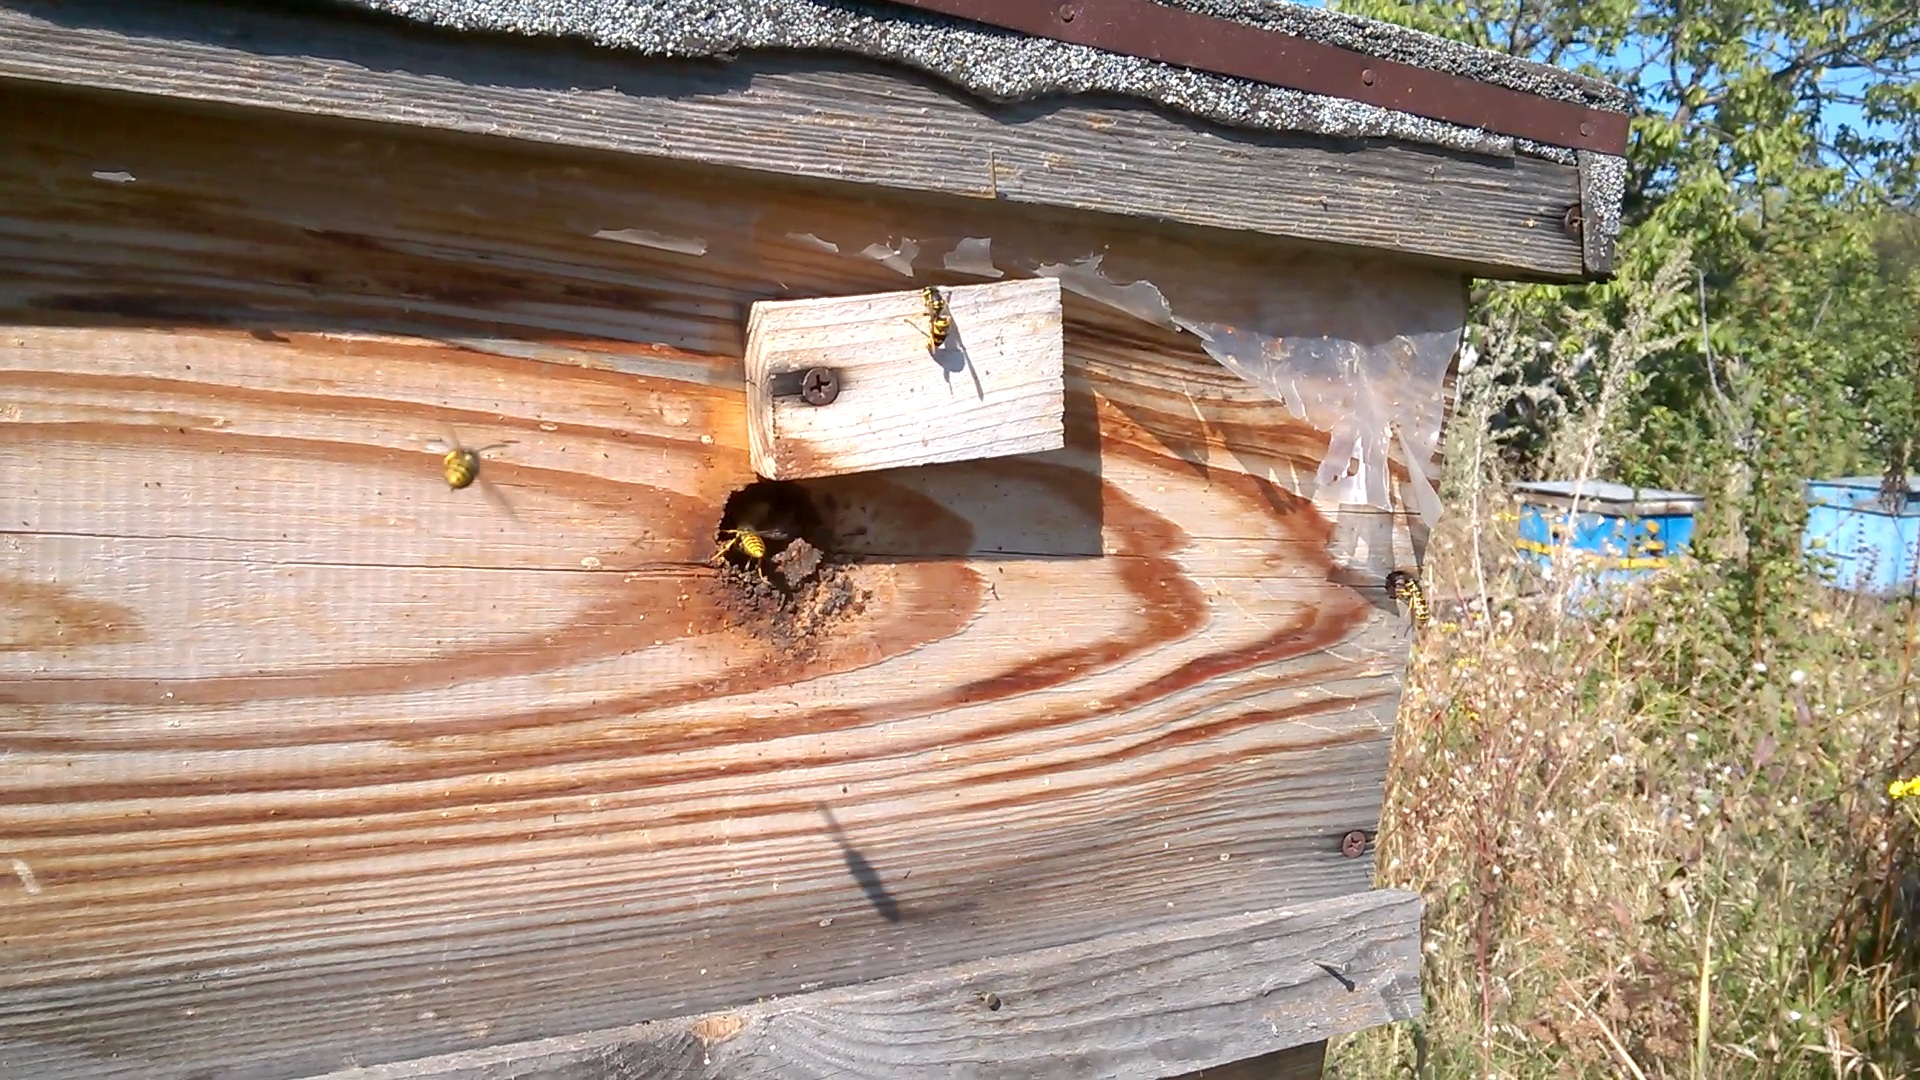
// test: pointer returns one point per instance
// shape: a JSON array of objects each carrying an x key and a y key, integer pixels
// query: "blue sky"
[{"x": 1836, "y": 116}]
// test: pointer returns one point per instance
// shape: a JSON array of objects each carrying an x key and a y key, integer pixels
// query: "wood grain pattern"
[
  {"x": 315, "y": 762},
  {"x": 1135, "y": 1005},
  {"x": 990, "y": 387},
  {"x": 834, "y": 120}
]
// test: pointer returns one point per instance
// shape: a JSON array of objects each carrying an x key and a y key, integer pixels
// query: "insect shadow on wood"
[
  {"x": 944, "y": 341},
  {"x": 1047, "y": 504},
  {"x": 863, "y": 872},
  {"x": 953, "y": 357}
]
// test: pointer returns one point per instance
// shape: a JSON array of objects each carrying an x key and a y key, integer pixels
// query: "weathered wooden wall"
[{"x": 312, "y": 762}]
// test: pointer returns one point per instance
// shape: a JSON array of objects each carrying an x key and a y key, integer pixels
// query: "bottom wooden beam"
[
  {"x": 1262, "y": 990},
  {"x": 1307, "y": 1062}
]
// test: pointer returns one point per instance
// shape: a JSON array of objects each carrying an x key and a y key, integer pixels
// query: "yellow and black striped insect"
[
  {"x": 1404, "y": 587},
  {"x": 460, "y": 466},
  {"x": 939, "y": 320},
  {"x": 750, "y": 542}
]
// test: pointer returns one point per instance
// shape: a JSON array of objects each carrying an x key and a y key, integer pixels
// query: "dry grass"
[{"x": 1644, "y": 855}]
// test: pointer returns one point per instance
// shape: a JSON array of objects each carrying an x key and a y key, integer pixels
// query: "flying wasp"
[
  {"x": 939, "y": 320},
  {"x": 460, "y": 466},
  {"x": 1405, "y": 588}
]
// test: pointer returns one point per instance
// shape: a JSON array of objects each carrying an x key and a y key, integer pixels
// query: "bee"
[
  {"x": 939, "y": 320},
  {"x": 460, "y": 466},
  {"x": 750, "y": 542},
  {"x": 1404, "y": 587}
]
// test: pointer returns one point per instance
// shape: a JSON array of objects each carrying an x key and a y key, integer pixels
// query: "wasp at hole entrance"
[{"x": 750, "y": 542}]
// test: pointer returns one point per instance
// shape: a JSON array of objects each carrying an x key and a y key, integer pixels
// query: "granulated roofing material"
[{"x": 1000, "y": 65}]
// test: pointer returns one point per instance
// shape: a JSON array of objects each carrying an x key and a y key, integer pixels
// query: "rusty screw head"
[
  {"x": 820, "y": 386},
  {"x": 1366, "y": 76},
  {"x": 1586, "y": 130},
  {"x": 1572, "y": 221},
  {"x": 1067, "y": 12},
  {"x": 1354, "y": 844}
]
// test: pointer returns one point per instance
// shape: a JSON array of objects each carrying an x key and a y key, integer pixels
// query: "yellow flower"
[{"x": 1904, "y": 789}]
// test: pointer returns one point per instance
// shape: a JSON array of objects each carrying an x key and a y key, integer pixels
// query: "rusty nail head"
[
  {"x": 1572, "y": 220},
  {"x": 1366, "y": 76},
  {"x": 1586, "y": 130},
  {"x": 1068, "y": 12},
  {"x": 820, "y": 386},
  {"x": 1354, "y": 844}
]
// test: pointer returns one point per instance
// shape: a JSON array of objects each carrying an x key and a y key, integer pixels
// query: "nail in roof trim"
[{"x": 1001, "y": 65}]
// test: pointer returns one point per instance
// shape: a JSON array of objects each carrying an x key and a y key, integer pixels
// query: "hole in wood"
[{"x": 780, "y": 577}]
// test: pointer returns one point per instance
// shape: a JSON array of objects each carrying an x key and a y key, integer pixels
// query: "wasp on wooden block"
[
  {"x": 939, "y": 320},
  {"x": 1404, "y": 587},
  {"x": 460, "y": 466}
]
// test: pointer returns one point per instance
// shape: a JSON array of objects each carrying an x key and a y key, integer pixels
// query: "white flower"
[{"x": 1796, "y": 676}]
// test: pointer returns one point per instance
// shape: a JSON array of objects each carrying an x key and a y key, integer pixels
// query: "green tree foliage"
[
  {"x": 1776, "y": 148},
  {"x": 1779, "y": 142}
]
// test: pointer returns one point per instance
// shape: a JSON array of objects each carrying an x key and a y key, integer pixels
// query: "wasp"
[
  {"x": 1404, "y": 587},
  {"x": 460, "y": 465},
  {"x": 939, "y": 320},
  {"x": 750, "y": 542}
]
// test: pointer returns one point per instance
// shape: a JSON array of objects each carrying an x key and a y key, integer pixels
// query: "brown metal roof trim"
[{"x": 1220, "y": 46}]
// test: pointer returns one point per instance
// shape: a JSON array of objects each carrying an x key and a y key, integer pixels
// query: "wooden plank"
[
  {"x": 1596, "y": 205},
  {"x": 989, "y": 386},
  {"x": 1244, "y": 989},
  {"x": 313, "y": 761},
  {"x": 1299, "y": 1063},
  {"x": 838, "y": 121}
]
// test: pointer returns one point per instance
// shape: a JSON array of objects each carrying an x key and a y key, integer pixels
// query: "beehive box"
[
  {"x": 1859, "y": 540},
  {"x": 1602, "y": 535},
  {"x": 1030, "y": 715}
]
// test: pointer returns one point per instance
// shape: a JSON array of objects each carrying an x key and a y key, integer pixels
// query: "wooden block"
[
  {"x": 992, "y": 387},
  {"x": 1241, "y": 996}
]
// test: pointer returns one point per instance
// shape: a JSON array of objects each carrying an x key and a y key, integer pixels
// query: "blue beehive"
[
  {"x": 1619, "y": 535},
  {"x": 1860, "y": 542}
]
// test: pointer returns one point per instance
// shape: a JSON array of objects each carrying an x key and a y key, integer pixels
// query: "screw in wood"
[
  {"x": 1354, "y": 844},
  {"x": 1572, "y": 221},
  {"x": 1067, "y": 12},
  {"x": 820, "y": 386},
  {"x": 1366, "y": 76}
]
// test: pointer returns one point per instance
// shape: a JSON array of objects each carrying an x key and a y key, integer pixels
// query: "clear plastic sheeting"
[
  {"x": 682, "y": 245},
  {"x": 973, "y": 255},
  {"x": 897, "y": 255},
  {"x": 1360, "y": 352},
  {"x": 1357, "y": 348},
  {"x": 1354, "y": 346},
  {"x": 1141, "y": 299}
]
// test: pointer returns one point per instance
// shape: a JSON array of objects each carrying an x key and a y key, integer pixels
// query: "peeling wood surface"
[
  {"x": 314, "y": 762},
  {"x": 829, "y": 120},
  {"x": 989, "y": 384},
  {"x": 1244, "y": 988}
]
